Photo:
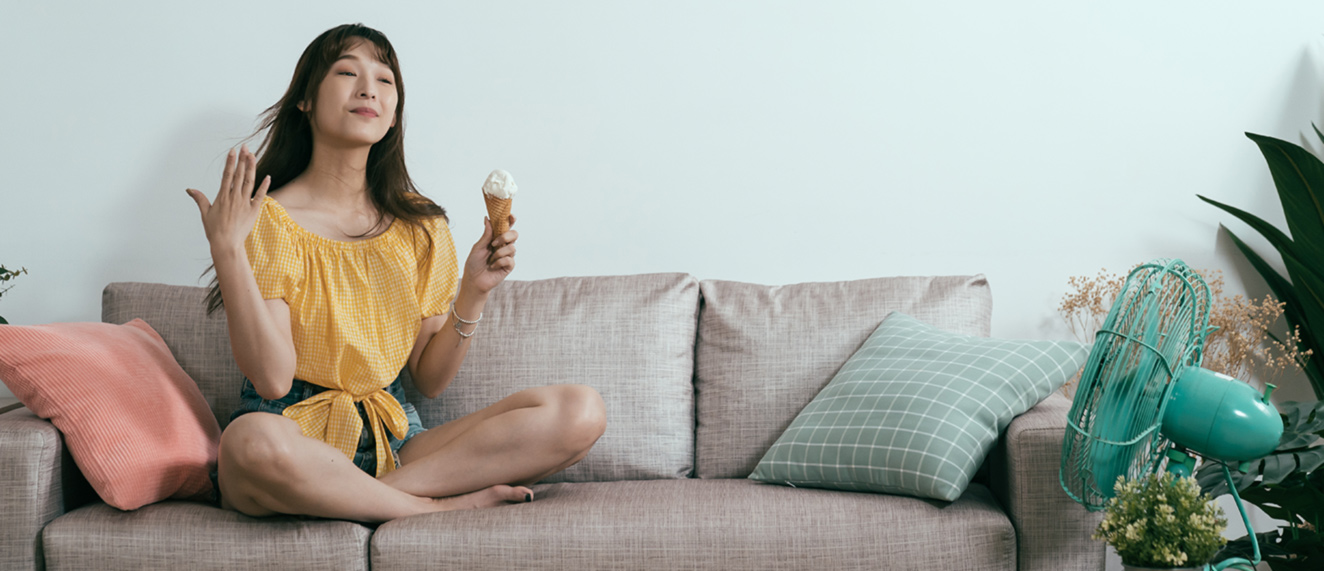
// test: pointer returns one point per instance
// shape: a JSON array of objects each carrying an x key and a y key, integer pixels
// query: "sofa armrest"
[
  {"x": 38, "y": 482},
  {"x": 1052, "y": 530}
]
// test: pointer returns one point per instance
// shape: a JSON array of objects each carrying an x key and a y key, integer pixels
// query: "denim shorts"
[{"x": 366, "y": 455}]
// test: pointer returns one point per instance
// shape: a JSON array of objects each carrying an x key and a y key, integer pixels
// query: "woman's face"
[{"x": 356, "y": 101}]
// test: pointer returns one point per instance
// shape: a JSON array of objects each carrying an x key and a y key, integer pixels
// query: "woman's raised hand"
[
  {"x": 492, "y": 258},
  {"x": 231, "y": 217}
]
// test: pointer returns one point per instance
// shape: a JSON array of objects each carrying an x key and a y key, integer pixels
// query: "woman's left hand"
[{"x": 491, "y": 259}]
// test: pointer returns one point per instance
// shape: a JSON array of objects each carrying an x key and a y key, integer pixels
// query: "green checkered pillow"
[{"x": 916, "y": 410}]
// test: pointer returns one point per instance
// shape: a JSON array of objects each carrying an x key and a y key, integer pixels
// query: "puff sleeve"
[
  {"x": 275, "y": 257},
  {"x": 438, "y": 272}
]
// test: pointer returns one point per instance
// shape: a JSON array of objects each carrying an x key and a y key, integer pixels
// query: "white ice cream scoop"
[{"x": 500, "y": 184}]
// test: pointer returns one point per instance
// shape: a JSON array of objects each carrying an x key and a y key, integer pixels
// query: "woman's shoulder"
[{"x": 431, "y": 216}]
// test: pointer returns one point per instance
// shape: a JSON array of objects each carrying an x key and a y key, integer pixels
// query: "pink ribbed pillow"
[{"x": 134, "y": 421}]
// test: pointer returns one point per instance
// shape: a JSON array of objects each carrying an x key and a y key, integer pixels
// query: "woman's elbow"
[
  {"x": 272, "y": 382},
  {"x": 273, "y": 387},
  {"x": 428, "y": 387},
  {"x": 429, "y": 392}
]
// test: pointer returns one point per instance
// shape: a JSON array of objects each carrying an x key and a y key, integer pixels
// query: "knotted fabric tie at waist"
[{"x": 330, "y": 416}]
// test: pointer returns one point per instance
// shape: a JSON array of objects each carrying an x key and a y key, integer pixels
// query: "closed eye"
[{"x": 352, "y": 74}]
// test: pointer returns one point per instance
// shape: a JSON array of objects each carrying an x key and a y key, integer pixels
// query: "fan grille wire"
[{"x": 1155, "y": 328}]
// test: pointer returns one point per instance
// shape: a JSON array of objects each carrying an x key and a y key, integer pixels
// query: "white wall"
[{"x": 760, "y": 141}]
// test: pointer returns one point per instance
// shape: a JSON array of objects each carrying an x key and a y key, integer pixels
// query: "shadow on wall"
[
  {"x": 1306, "y": 96},
  {"x": 160, "y": 235}
]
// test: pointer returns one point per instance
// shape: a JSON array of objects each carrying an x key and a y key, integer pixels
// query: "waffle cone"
[{"x": 498, "y": 210}]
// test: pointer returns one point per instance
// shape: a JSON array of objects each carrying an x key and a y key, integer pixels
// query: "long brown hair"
[{"x": 288, "y": 147}]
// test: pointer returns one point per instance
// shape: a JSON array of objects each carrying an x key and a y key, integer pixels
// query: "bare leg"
[
  {"x": 267, "y": 466},
  {"x": 522, "y": 438}
]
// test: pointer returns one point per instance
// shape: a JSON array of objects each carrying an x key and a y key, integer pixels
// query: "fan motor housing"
[{"x": 1220, "y": 417}]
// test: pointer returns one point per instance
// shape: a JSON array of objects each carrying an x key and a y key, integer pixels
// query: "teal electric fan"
[{"x": 1145, "y": 404}]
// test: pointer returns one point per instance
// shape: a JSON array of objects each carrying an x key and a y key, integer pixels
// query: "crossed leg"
[
  {"x": 520, "y": 439},
  {"x": 267, "y": 466}
]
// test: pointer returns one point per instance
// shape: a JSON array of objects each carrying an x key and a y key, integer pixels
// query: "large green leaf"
[
  {"x": 1309, "y": 286},
  {"x": 1280, "y": 241},
  {"x": 1299, "y": 178},
  {"x": 1296, "y": 498}
]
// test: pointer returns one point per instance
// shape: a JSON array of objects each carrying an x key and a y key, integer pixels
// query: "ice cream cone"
[{"x": 498, "y": 210}]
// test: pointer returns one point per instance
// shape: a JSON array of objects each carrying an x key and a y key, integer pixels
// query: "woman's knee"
[
  {"x": 582, "y": 415},
  {"x": 257, "y": 445}
]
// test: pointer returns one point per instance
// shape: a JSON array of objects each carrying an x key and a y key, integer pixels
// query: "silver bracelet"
[
  {"x": 459, "y": 320},
  {"x": 462, "y": 334}
]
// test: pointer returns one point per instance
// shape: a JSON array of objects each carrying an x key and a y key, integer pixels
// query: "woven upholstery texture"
[
  {"x": 1052, "y": 530},
  {"x": 199, "y": 537},
  {"x": 30, "y": 485},
  {"x": 763, "y": 352},
  {"x": 705, "y": 524},
  {"x": 629, "y": 337}
]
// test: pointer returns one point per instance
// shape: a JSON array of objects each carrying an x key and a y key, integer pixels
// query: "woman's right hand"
[{"x": 232, "y": 216}]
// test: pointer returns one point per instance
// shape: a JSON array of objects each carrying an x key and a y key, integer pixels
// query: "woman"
[{"x": 334, "y": 281}]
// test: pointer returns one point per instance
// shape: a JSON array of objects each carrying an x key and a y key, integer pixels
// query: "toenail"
[{"x": 528, "y": 497}]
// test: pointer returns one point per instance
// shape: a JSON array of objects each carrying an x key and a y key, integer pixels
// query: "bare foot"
[{"x": 497, "y": 495}]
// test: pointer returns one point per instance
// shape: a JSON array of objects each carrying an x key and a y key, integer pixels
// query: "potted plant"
[
  {"x": 1288, "y": 484},
  {"x": 1162, "y": 522},
  {"x": 5, "y": 275}
]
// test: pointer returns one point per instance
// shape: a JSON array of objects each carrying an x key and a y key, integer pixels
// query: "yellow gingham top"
[{"x": 355, "y": 313}]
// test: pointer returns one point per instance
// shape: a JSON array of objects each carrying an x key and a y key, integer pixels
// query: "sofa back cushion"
[
  {"x": 629, "y": 337},
  {"x": 200, "y": 344},
  {"x": 763, "y": 352}
]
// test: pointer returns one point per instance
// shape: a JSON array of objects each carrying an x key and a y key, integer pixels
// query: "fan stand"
[{"x": 1182, "y": 464}]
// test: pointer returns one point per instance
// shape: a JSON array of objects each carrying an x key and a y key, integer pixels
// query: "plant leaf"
[
  {"x": 1280, "y": 241},
  {"x": 1299, "y": 177},
  {"x": 1278, "y": 467},
  {"x": 1211, "y": 480},
  {"x": 1311, "y": 459}
]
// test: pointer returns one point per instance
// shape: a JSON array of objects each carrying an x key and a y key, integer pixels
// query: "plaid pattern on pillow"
[{"x": 915, "y": 410}]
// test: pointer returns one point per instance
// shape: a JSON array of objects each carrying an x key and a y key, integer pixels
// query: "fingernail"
[{"x": 528, "y": 497}]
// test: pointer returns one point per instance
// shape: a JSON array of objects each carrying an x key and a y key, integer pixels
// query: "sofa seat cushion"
[
  {"x": 705, "y": 524},
  {"x": 195, "y": 536}
]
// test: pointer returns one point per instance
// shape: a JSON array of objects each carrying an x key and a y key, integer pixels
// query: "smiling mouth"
[{"x": 364, "y": 112}]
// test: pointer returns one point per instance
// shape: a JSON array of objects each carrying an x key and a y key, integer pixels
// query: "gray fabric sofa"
[{"x": 699, "y": 378}]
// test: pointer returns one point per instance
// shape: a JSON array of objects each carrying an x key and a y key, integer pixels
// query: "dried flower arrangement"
[{"x": 1243, "y": 345}]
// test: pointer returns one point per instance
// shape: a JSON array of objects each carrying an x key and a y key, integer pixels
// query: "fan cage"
[{"x": 1155, "y": 328}]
